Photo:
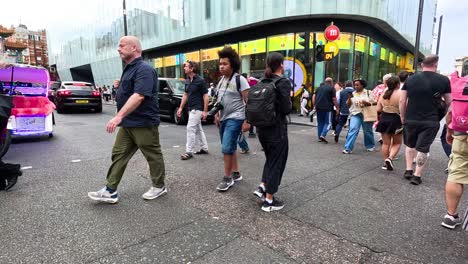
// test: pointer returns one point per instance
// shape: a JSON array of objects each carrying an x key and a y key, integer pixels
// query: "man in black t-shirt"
[
  {"x": 323, "y": 100},
  {"x": 196, "y": 96},
  {"x": 418, "y": 109}
]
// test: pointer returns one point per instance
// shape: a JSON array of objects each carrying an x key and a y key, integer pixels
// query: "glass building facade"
[{"x": 377, "y": 37}]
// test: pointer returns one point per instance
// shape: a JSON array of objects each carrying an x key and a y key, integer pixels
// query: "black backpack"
[{"x": 260, "y": 110}]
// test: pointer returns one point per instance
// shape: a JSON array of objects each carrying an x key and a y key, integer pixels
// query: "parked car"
[
  {"x": 78, "y": 95},
  {"x": 170, "y": 96}
]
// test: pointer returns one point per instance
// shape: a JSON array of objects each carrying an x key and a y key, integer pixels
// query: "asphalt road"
[{"x": 339, "y": 208}]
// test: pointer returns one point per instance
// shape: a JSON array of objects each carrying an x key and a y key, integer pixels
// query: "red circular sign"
[{"x": 332, "y": 33}]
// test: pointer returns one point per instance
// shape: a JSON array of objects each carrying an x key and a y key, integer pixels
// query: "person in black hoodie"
[{"x": 274, "y": 139}]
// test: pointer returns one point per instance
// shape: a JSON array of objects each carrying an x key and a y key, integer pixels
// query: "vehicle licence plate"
[
  {"x": 81, "y": 101},
  {"x": 30, "y": 123}
]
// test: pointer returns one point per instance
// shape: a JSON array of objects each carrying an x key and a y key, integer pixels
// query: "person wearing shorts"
[
  {"x": 419, "y": 114},
  {"x": 458, "y": 174},
  {"x": 231, "y": 118}
]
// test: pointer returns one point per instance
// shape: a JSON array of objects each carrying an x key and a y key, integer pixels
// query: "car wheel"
[
  {"x": 179, "y": 120},
  {"x": 51, "y": 135},
  {"x": 98, "y": 110}
]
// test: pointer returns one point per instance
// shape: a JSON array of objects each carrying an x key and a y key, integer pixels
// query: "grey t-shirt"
[{"x": 234, "y": 107}]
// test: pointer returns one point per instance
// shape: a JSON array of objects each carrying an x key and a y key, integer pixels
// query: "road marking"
[
  {"x": 26, "y": 168},
  {"x": 177, "y": 146},
  {"x": 75, "y": 161},
  {"x": 165, "y": 126}
]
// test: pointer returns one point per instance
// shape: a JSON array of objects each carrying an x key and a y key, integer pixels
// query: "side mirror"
[{"x": 167, "y": 90}]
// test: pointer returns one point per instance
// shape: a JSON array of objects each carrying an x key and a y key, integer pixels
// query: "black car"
[
  {"x": 77, "y": 95},
  {"x": 170, "y": 96}
]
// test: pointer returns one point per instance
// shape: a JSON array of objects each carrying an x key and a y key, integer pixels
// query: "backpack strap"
[{"x": 238, "y": 84}]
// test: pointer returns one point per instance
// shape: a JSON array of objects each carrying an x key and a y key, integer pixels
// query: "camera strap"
[{"x": 226, "y": 86}]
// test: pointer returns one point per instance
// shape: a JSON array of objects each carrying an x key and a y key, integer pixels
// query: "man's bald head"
[
  {"x": 329, "y": 81},
  {"x": 129, "y": 48},
  {"x": 133, "y": 41}
]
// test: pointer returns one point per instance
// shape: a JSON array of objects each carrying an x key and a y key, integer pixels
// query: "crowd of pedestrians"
[{"x": 403, "y": 109}]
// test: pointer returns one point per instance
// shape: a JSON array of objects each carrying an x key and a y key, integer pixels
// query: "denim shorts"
[{"x": 229, "y": 131}]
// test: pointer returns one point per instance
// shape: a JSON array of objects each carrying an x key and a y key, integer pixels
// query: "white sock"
[
  {"x": 262, "y": 186},
  {"x": 268, "y": 200}
]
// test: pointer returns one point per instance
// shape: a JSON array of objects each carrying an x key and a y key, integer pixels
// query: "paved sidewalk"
[{"x": 339, "y": 208}]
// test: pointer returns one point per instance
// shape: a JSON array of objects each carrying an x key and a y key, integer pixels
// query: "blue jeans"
[
  {"x": 323, "y": 122},
  {"x": 355, "y": 125},
  {"x": 243, "y": 142},
  {"x": 229, "y": 131},
  {"x": 341, "y": 122}
]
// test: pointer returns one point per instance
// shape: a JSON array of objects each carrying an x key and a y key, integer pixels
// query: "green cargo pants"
[{"x": 127, "y": 142}]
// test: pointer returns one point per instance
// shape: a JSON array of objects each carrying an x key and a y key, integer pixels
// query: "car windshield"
[{"x": 178, "y": 86}]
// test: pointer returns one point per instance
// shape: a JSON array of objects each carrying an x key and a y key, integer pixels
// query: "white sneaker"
[
  {"x": 105, "y": 196},
  {"x": 154, "y": 193},
  {"x": 370, "y": 149}
]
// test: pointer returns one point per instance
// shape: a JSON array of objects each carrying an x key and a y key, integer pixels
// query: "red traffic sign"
[{"x": 332, "y": 33}]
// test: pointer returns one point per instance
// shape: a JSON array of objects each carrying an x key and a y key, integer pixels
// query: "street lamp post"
[
  {"x": 125, "y": 18},
  {"x": 439, "y": 33},
  {"x": 418, "y": 35}
]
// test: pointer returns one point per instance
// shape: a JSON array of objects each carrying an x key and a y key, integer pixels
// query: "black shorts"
[{"x": 420, "y": 135}]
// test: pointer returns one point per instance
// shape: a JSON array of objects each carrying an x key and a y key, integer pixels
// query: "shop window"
[
  {"x": 253, "y": 57},
  {"x": 360, "y": 57},
  {"x": 375, "y": 70}
]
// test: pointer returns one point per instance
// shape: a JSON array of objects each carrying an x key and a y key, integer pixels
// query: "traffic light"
[
  {"x": 320, "y": 53},
  {"x": 302, "y": 40}
]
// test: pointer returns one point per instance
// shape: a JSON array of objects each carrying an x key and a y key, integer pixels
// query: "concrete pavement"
[{"x": 339, "y": 208}]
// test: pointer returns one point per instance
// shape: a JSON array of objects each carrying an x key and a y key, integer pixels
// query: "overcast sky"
[{"x": 64, "y": 15}]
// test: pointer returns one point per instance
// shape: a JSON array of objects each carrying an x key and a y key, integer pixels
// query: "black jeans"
[{"x": 274, "y": 141}]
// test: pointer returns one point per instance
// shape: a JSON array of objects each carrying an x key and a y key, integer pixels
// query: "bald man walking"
[{"x": 138, "y": 118}]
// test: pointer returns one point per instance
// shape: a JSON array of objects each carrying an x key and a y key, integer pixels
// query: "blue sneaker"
[{"x": 105, "y": 196}]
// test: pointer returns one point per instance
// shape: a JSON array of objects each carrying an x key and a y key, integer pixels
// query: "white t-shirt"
[
  {"x": 234, "y": 107},
  {"x": 356, "y": 107}
]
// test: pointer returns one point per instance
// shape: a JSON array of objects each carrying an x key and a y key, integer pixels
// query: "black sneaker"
[
  {"x": 260, "y": 193},
  {"x": 225, "y": 184},
  {"x": 384, "y": 166},
  {"x": 337, "y": 138},
  {"x": 389, "y": 164},
  {"x": 323, "y": 139},
  {"x": 451, "y": 222},
  {"x": 415, "y": 180},
  {"x": 236, "y": 176},
  {"x": 276, "y": 205},
  {"x": 408, "y": 174}
]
